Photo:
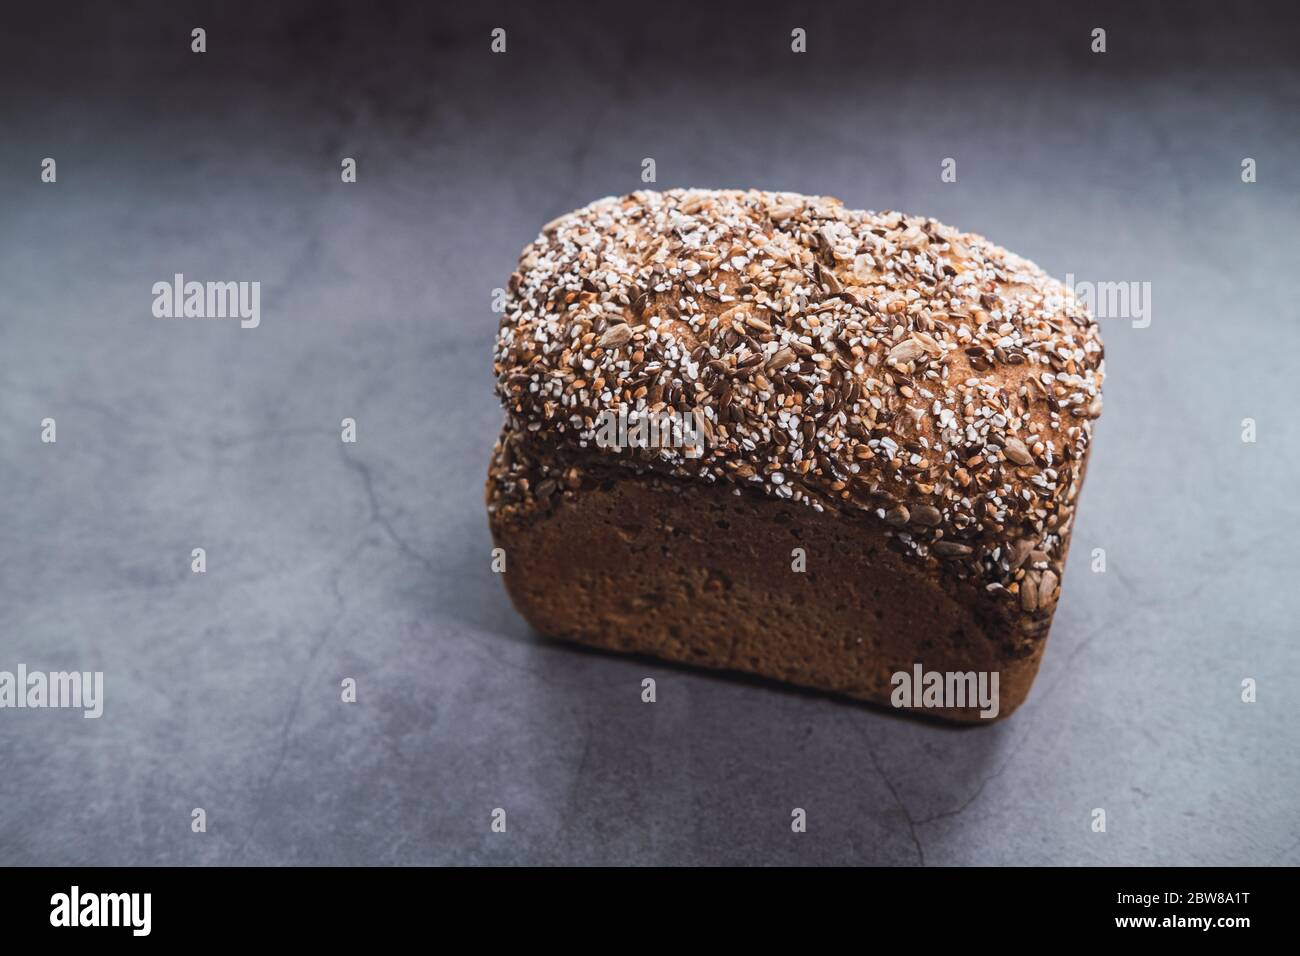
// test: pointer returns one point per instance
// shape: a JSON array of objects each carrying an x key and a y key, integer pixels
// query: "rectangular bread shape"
[{"x": 874, "y": 433}]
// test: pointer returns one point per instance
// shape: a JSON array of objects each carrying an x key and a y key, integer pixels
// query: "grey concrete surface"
[{"x": 371, "y": 560}]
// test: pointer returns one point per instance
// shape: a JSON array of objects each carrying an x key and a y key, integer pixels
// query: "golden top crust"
[{"x": 870, "y": 362}]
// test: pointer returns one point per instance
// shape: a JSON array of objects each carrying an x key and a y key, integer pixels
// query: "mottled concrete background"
[{"x": 372, "y": 561}]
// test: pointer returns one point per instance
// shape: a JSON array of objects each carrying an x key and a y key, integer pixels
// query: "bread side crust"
[{"x": 701, "y": 575}]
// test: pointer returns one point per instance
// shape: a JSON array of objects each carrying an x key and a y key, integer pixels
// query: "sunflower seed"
[
  {"x": 781, "y": 359},
  {"x": 897, "y": 516},
  {"x": 1017, "y": 553},
  {"x": 1015, "y": 449},
  {"x": 615, "y": 336},
  {"x": 908, "y": 350},
  {"x": 1029, "y": 593},
  {"x": 927, "y": 515},
  {"x": 951, "y": 549}
]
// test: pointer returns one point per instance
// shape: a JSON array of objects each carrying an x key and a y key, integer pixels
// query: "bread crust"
[
  {"x": 858, "y": 376},
  {"x": 700, "y": 575}
]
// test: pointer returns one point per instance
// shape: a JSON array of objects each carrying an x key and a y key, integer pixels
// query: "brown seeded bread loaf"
[{"x": 908, "y": 406}]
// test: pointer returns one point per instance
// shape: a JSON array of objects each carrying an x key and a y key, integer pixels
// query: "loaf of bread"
[{"x": 873, "y": 429}]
